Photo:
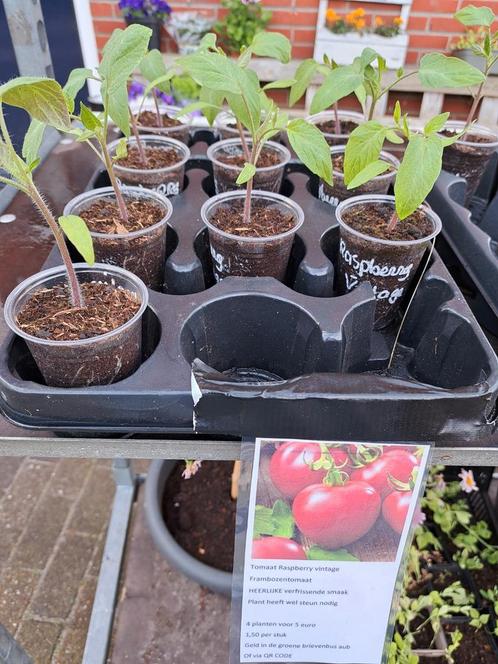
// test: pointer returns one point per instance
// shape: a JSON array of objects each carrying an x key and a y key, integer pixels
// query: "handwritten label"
[
  {"x": 166, "y": 188},
  {"x": 327, "y": 198},
  {"x": 363, "y": 269},
  {"x": 219, "y": 263}
]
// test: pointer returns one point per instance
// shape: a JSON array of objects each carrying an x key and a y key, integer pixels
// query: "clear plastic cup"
[
  {"x": 226, "y": 126},
  {"x": 238, "y": 256},
  {"x": 338, "y": 192},
  {"x": 348, "y": 119},
  {"x": 181, "y": 132},
  {"x": 167, "y": 180},
  {"x": 98, "y": 360},
  {"x": 142, "y": 252},
  {"x": 267, "y": 178},
  {"x": 468, "y": 157},
  {"x": 389, "y": 265}
]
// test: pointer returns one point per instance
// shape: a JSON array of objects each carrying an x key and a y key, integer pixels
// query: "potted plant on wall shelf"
[
  {"x": 243, "y": 19},
  {"x": 150, "y": 13},
  {"x": 70, "y": 314},
  {"x": 469, "y": 46},
  {"x": 251, "y": 231},
  {"x": 128, "y": 224}
]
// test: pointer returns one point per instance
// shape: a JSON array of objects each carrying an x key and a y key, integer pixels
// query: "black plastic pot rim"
[
  {"x": 207, "y": 576},
  {"x": 228, "y": 142},
  {"x": 131, "y": 191},
  {"x": 387, "y": 199},
  {"x": 34, "y": 282},
  {"x": 256, "y": 193},
  {"x": 168, "y": 142}
]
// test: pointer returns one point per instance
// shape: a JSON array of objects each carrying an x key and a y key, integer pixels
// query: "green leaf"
[
  {"x": 152, "y": 68},
  {"x": 367, "y": 56},
  {"x": 436, "y": 123},
  {"x": 246, "y": 173},
  {"x": 475, "y": 16},
  {"x": 122, "y": 149},
  {"x": 373, "y": 169},
  {"x": 122, "y": 54},
  {"x": 214, "y": 100},
  {"x": 42, "y": 98},
  {"x": 397, "y": 112},
  {"x": 311, "y": 147},
  {"x": 339, "y": 83},
  {"x": 271, "y": 45},
  {"x": 212, "y": 70},
  {"x": 32, "y": 141},
  {"x": 316, "y": 553},
  {"x": 162, "y": 83},
  {"x": 364, "y": 146},
  {"x": 117, "y": 108},
  {"x": 278, "y": 85},
  {"x": 417, "y": 173},
  {"x": 12, "y": 163},
  {"x": 304, "y": 75},
  {"x": 441, "y": 71},
  {"x": 246, "y": 106},
  {"x": 77, "y": 233},
  {"x": 208, "y": 42},
  {"x": 393, "y": 137},
  {"x": 76, "y": 80},
  {"x": 277, "y": 520},
  {"x": 89, "y": 120}
]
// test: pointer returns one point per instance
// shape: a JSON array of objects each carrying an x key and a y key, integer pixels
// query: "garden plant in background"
[
  {"x": 244, "y": 18},
  {"x": 151, "y": 13},
  {"x": 251, "y": 232}
]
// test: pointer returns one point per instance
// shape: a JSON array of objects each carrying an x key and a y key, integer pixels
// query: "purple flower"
[
  {"x": 159, "y": 9},
  {"x": 167, "y": 99},
  {"x": 135, "y": 90}
]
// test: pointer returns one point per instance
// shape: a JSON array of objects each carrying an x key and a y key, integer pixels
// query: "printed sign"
[{"x": 327, "y": 526}]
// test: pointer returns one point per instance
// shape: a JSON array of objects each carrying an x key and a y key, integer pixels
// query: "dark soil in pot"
[
  {"x": 149, "y": 119},
  {"x": 468, "y": 161},
  {"x": 266, "y": 158},
  {"x": 143, "y": 253},
  {"x": 388, "y": 267},
  {"x": 268, "y": 177},
  {"x": 157, "y": 172},
  {"x": 329, "y": 127},
  {"x": 200, "y": 513},
  {"x": 475, "y": 647},
  {"x": 155, "y": 158},
  {"x": 485, "y": 578},
  {"x": 252, "y": 259},
  {"x": 147, "y": 123}
]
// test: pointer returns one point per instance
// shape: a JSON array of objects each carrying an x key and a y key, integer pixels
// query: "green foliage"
[
  {"x": 475, "y": 16},
  {"x": 42, "y": 98},
  {"x": 277, "y": 520},
  {"x": 248, "y": 172},
  {"x": 242, "y": 22},
  {"x": 442, "y": 71},
  {"x": 77, "y": 233},
  {"x": 316, "y": 553},
  {"x": 153, "y": 69},
  {"x": 310, "y": 146},
  {"x": 339, "y": 83}
]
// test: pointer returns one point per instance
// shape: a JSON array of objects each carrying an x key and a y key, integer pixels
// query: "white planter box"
[{"x": 343, "y": 48}]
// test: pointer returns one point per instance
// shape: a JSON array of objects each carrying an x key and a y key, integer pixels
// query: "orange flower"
[
  {"x": 398, "y": 21},
  {"x": 360, "y": 23},
  {"x": 358, "y": 12},
  {"x": 378, "y": 21},
  {"x": 331, "y": 15}
]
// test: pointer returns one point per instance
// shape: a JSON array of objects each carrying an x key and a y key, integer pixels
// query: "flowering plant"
[
  {"x": 143, "y": 8},
  {"x": 356, "y": 21}
]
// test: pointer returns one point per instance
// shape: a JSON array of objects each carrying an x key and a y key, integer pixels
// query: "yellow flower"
[
  {"x": 398, "y": 21},
  {"x": 331, "y": 15},
  {"x": 378, "y": 21},
  {"x": 358, "y": 12}
]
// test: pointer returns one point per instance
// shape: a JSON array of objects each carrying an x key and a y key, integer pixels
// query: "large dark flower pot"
[
  {"x": 209, "y": 577},
  {"x": 154, "y": 24}
]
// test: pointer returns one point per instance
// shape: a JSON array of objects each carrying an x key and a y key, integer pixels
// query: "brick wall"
[{"x": 431, "y": 26}]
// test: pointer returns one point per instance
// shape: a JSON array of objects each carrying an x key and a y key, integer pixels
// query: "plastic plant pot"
[
  {"x": 470, "y": 155},
  {"x": 216, "y": 580},
  {"x": 239, "y": 256},
  {"x": 267, "y": 178},
  {"x": 167, "y": 180},
  {"x": 338, "y": 192},
  {"x": 181, "y": 132},
  {"x": 349, "y": 120},
  {"x": 226, "y": 126},
  {"x": 142, "y": 252},
  {"x": 99, "y": 360},
  {"x": 389, "y": 265}
]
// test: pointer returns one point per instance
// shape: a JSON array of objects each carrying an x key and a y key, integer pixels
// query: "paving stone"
[
  {"x": 69, "y": 477},
  {"x": 93, "y": 507},
  {"x": 162, "y": 616},
  {"x": 39, "y": 639},
  {"x": 70, "y": 647},
  {"x": 18, "y": 502},
  {"x": 8, "y": 469},
  {"x": 94, "y": 569},
  {"x": 80, "y": 615},
  {"x": 43, "y": 529},
  {"x": 16, "y": 588},
  {"x": 58, "y": 589}
]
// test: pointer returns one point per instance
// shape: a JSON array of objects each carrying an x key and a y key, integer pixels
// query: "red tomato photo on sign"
[{"x": 277, "y": 547}]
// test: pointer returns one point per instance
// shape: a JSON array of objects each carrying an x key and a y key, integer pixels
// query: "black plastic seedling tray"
[
  {"x": 469, "y": 242},
  {"x": 295, "y": 359}
]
